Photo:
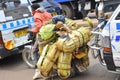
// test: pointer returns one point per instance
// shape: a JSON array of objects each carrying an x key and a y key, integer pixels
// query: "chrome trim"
[{"x": 95, "y": 47}]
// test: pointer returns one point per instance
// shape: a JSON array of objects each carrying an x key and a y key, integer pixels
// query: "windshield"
[
  {"x": 45, "y": 4},
  {"x": 15, "y": 9},
  {"x": 11, "y": 4}
]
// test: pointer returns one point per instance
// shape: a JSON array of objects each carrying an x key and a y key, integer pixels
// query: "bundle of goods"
[{"x": 63, "y": 43}]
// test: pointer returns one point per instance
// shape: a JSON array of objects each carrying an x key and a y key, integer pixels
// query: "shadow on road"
[{"x": 11, "y": 62}]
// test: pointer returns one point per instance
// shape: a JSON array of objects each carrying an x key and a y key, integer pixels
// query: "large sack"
[
  {"x": 64, "y": 65},
  {"x": 47, "y": 59},
  {"x": 46, "y": 32},
  {"x": 74, "y": 40}
]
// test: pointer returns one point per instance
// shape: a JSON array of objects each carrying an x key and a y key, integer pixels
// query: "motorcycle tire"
[
  {"x": 27, "y": 58},
  {"x": 74, "y": 71}
]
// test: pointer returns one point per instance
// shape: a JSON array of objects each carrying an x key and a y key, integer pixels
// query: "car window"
[
  {"x": 118, "y": 17},
  {"x": 12, "y": 4},
  {"x": 15, "y": 9},
  {"x": 110, "y": 8},
  {"x": 45, "y": 4}
]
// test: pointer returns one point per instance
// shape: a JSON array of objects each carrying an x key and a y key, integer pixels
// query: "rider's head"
[{"x": 35, "y": 6}]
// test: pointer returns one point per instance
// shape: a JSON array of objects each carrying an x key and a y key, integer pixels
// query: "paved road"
[{"x": 13, "y": 68}]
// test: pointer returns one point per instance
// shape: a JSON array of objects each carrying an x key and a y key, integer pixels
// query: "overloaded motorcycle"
[{"x": 63, "y": 47}]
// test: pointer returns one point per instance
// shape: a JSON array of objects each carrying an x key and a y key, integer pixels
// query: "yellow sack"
[
  {"x": 47, "y": 59},
  {"x": 75, "y": 40},
  {"x": 64, "y": 65},
  {"x": 46, "y": 32}
]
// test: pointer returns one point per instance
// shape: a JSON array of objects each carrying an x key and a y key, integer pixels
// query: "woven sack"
[
  {"x": 64, "y": 65},
  {"x": 47, "y": 58}
]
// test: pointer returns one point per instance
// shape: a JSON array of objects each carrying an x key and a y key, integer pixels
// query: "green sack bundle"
[{"x": 46, "y": 32}]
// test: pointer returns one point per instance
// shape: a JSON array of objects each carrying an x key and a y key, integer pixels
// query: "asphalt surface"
[{"x": 13, "y": 68}]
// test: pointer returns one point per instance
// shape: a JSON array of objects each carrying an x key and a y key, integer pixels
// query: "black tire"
[
  {"x": 28, "y": 58},
  {"x": 74, "y": 70},
  {"x": 68, "y": 11},
  {"x": 80, "y": 15}
]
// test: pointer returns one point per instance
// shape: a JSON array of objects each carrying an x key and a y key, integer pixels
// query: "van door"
[{"x": 115, "y": 37}]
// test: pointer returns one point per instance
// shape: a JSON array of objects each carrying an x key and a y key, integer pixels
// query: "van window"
[
  {"x": 15, "y": 9},
  {"x": 11, "y": 4},
  {"x": 118, "y": 17}
]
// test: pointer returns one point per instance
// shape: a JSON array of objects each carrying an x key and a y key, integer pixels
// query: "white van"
[
  {"x": 109, "y": 51},
  {"x": 15, "y": 20}
]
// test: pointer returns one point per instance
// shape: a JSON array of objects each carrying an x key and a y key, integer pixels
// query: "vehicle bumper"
[{"x": 4, "y": 52}]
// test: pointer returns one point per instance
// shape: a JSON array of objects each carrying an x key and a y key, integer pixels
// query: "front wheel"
[{"x": 28, "y": 58}]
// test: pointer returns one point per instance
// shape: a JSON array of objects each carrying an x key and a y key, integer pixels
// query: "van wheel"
[
  {"x": 67, "y": 11},
  {"x": 27, "y": 57}
]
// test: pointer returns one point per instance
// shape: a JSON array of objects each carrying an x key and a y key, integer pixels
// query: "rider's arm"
[{"x": 37, "y": 23}]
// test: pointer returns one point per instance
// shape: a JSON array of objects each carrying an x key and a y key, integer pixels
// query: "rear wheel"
[
  {"x": 67, "y": 11},
  {"x": 74, "y": 70}
]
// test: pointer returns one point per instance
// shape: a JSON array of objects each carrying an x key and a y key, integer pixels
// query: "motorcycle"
[
  {"x": 66, "y": 51},
  {"x": 75, "y": 61}
]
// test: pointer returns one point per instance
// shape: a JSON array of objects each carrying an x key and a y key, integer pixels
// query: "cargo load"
[{"x": 69, "y": 44}]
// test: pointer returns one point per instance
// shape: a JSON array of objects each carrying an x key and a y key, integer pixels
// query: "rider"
[{"x": 41, "y": 17}]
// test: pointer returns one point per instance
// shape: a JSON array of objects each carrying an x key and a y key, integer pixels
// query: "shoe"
[{"x": 37, "y": 74}]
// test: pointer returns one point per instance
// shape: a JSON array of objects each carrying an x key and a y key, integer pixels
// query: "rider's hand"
[{"x": 31, "y": 35}]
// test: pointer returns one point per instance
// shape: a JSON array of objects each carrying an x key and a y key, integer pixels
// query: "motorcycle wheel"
[
  {"x": 27, "y": 57},
  {"x": 74, "y": 71}
]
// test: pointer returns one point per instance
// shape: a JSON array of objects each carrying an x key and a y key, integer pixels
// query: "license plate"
[
  {"x": 54, "y": 13},
  {"x": 21, "y": 33}
]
